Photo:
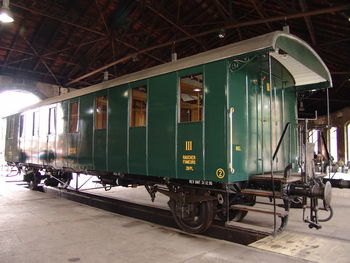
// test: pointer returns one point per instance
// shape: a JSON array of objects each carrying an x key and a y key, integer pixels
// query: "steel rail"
[{"x": 156, "y": 215}]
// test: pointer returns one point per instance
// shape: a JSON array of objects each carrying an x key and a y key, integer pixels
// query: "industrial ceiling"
[{"x": 72, "y": 42}]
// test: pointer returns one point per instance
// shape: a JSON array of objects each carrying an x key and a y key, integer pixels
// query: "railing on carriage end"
[{"x": 286, "y": 127}]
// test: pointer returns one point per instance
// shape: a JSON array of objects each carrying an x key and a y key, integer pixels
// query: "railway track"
[{"x": 152, "y": 214}]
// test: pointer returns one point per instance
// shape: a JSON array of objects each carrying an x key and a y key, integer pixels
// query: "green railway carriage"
[{"x": 201, "y": 126}]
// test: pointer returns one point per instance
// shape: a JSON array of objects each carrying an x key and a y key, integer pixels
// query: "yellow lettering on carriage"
[
  {"x": 189, "y": 168},
  {"x": 188, "y": 145},
  {"x": 188, "y": 159},
  {"x": 72, "y": 151}
]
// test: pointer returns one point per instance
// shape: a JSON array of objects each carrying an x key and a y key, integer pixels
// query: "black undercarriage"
[{"x": 195, "y": 204}]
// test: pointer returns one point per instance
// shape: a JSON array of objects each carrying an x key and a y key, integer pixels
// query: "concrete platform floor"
[{"x": 38, "y": 227}]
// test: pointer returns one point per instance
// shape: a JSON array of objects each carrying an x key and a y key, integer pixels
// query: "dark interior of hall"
[{"x": 71, "y": 43}]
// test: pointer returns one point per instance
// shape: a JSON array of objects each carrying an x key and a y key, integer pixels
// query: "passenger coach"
[{"x": 211, "y": 131}]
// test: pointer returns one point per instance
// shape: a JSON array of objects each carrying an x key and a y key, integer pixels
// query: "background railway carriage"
[{"x": 202, "y": 130}]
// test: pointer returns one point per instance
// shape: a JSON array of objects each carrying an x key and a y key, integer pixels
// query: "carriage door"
[
  {"x": 51, "y": 137},
  {"x": 190, "y": 125}
]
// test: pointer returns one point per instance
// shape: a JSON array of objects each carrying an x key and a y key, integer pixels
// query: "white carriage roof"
[{"x": 297, "y": 56}]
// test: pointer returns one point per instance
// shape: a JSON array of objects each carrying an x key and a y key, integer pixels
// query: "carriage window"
[
  {"x": 11, "y": 127},
  {"x": 101, "y": 112},
  {"x": 52, "y": 120},
  {"x": 191, "y": 98},
  {"x": 21, "y": 125},
  {"x": 73, "y": 117},
  {"x": 138, "y": 106},
  {"x": 35, "y": 130},
  {"x": 333, "y": 143},
  {"x": 347, "y": 137},
  {"x": 313, "y": 138}
]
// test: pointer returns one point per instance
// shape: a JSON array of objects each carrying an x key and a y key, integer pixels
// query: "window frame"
[
  {"x": 311, "y": 136},
  {"x": 21, "y": 122},
  {"x": 104, "y": 127},
  {"x": 188, "y": 73},
  {"x": 331, "y": 149},
  {"x": 36, "y": 124},
  {"x": 11, "y": 127},
  {"x": 347, "y": 141},
  {"x": 51, "y": 131},
  {"x": 135, "y": 86},
  {"x": 77, "y": 117}
]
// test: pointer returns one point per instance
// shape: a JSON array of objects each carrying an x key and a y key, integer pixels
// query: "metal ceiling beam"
[
  {"x": 42, "y": 61},
  {"x": 137, "y": 49},
  {"x": 261, "y": 13},
  {"x": 191, "y": 36},
  {"x": 340, "y": 73},
  {"x": 36, "y": 12},
  {"x": 45, "y": 56},
  {"x": 222, "y": 10},
  {"x": 308, "y": 22},
  {"x": 228, "y": 15},
  {"x": 243, "y": 24},
  {"x": 334, "y": 42},
  {"x": 29, "y": 71}
]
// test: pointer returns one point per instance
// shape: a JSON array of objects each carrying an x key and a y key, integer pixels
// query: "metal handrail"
[{"x": 288, "y": 124}]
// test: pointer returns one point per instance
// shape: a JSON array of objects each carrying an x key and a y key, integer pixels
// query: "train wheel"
[
  {"x": 65, "y": 180},
  {"x": 34, "y": 181},
  {"x": 192, "y": 217},
  {"x": 234, "y": 215}
]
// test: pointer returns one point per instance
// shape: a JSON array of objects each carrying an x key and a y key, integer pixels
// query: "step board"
[
  {"x": 249, "y": 227},
  {"x": 258, "y": 210},
  {"x": 260, "y": 192},
  {"x": 277, "y": 177}
]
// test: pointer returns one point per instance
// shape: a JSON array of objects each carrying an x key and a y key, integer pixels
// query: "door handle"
[{"x": 230, "y": 165}]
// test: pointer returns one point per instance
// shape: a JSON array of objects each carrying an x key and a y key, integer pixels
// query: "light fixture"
[
  {"x": 173, "y": 56},
  {"x": 301, "y": 106},
  {"x": 135, "y": 58},
  {"x": 222, "y": 33},
  {"x": 5, "y": 13},
  {"x": 197, "y": 89}
]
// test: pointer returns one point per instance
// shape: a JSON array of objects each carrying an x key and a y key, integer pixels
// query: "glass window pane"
[
  {"x": 52, "y": 120},
  {"x": 11, "y": 127},
  {"x": 333, "y": 140},
  {"x": 138, "y": 106},
  {"x": 35, "y": 131},
  {"x": 313, "y": 138},
  {"x": 73, "y": 117},
  {"x": 191, "y": 98},
  {"x": 101, "y": 113},
  {"x": 21, "y": 125},
  {"x": 348, "y": 141}
]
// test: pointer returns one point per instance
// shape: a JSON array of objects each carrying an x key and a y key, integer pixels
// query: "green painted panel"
[
  {"x": 117, "y": 129},
  {"x": 137, "y": 150},
  {"x": 100, "y": 147},
  {"x": 190, "y": 151},
  {"x": 215, "y": 81},
  {"x": 239, "y": 149},
  {"x": 162, "y": 122},
  {"x": 64, "y": 140},
  {"x": 100, "y": 141},
  {"x": 86, "y": 111},
  {"x": 255, "y": 134}
]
